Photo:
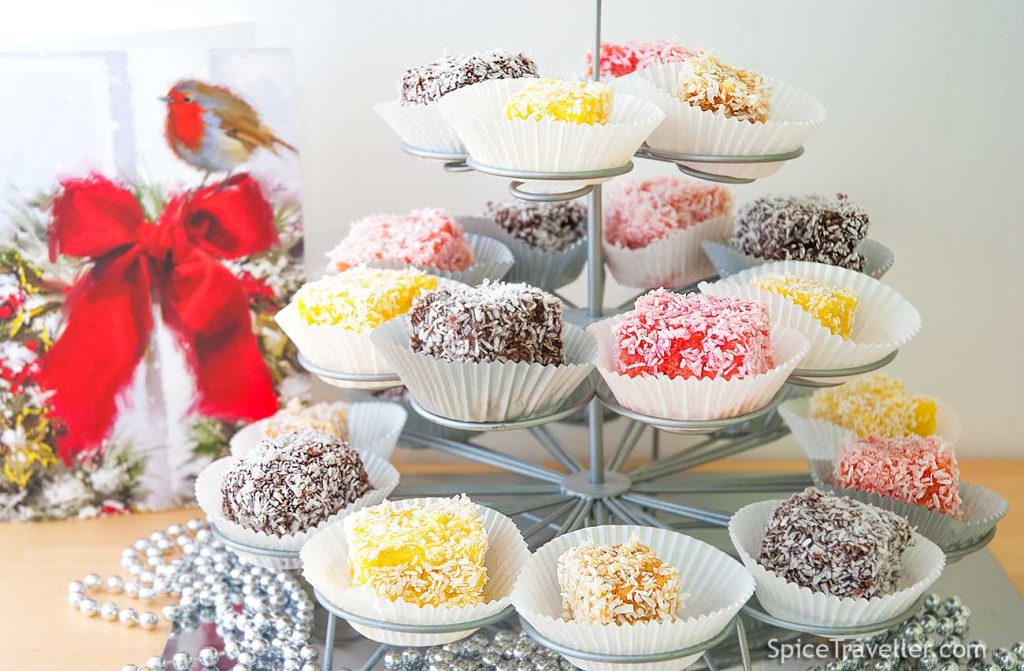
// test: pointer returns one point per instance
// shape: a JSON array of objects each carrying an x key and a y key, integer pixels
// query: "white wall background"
[{"x": 924, "y": 99}]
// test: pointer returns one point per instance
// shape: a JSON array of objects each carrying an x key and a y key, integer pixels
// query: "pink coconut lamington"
[
  {"x": 428, "y": 238},
  {"x": 914, "y": 469},
  {"x": 694, "y": 336},
  {"x": 621, "y": 59},
  {"x": 639, "y": 212}
]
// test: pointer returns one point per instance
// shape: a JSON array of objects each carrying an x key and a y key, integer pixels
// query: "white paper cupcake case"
[
  {"x": 982, "y": 508},
  {"x": 477, "y": 114},
  {"x": 922, "y": 564},
  {"x": 332, "y": 347},
  {"x": 383, "y": 479},
  {"x": 793, "y": 117},
  {"x": 715, "y": 587},
  {"x": 491, "y": 261},
  {"x": 677, "y": 260},
  {"x": 421, "y": 126},
  {"x": 486, "y": 392},
  {"x": 537, "y": 267},
  {"x": 727, "y": 260},
  {"x": 691, "y": 399},
  {"x": 884, "y": 320},
  {"x": 325, "y": 567},
  {"x": 373, "y": 428}
]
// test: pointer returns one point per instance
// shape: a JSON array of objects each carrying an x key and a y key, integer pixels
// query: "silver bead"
[
  {"x": 245, "y": 658},
  {"x": 182, "y": 661},
  {"x": 156, "y": 664},
  {"x": 76, "y": 587},
  {"x": 109, "y": 611},
  {"x": 952, "y": 605},
  {"x": 147, "y": 594},
  {"x": 291, "y": 665},
  {"x": 1004, "y": 659},
  {"x": 129, "y": 667},
  {"x": 259, "y": 647},
  {"x": 148, "y": 620},
  {"x": 209, "y": 656},
  {"x": 88, "y": 607},
  {"x": 309, "y": 666},
  {"x": 92, "y": 581},
  {"x": 308, "y": 653},
  {"x": 129, "y": 617},
  {"x": 240, "y": 667},
  {"x": 115, "y": 584},
  {"x": 75, "y": 599},
  {"x": 131, "y": 588},
  {"x": 231, "y": 649},
  {"x": 170, "y": 613},
  {"x": 949, "y": 665}
]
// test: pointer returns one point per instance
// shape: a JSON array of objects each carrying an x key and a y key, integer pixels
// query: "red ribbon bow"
[{"x": 175, "y": 263}]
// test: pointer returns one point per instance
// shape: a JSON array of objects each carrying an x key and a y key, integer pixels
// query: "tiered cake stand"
[{"x": 603, "y": 490}]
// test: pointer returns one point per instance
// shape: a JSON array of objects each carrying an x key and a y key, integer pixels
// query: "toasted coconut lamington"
[
  {"x": 292, "y": 483},
  {"x": 716, "y": 87},
  {"x": 694, "y": 336},
  {"x": 331, "y": 418},
  {"x": 619, "y": 583},
  {"x": 496, "y": 321},
  {"x": 835, "y": 545},
  {"x": 429, "y": 554},
  {"x": 921, "y": 471},
  {"x": 875, "y": 405},
  {"x": 426, "y": 83},
  {"x": 808, "y": 228}
]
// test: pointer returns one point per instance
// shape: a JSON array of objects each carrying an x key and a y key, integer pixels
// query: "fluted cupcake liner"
[
  {"x": 728, "y": 260},
  {"x": 421, "y": 126},
  {"x": 373, "y": 428},
  {"x": 477, "y": 113},
  {"x": 332, "y": 347},
  {"x": 884, "y": 320},
  {"x": 491, "y": 261},
  {"x": 540, "y": 268},
  {"x": 714, "y": 585},
  {"x": 696, "y": 399},
  {"x": 677, "y": 260},
  {"x": 793, "y": 116},
  {"x": 325, "y": 567},
  {"x": 383, "y": 479},
  {"x": 922, "y": 564},
  {"x": 491, "y": 391},
  {"x": 821, "y": 440}
]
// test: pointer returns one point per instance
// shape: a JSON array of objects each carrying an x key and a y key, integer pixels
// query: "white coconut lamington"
[
  {"x": 427, "y": 554},
  {"x": 292, "y": 483},
  {"x": 331, "y": 418},
  {"x": 426, "y": 83},
  {"x": 836, "y": 545},
  {"x": 496, "y": 321},
  {"x": 550, "y": 227},
  {"x": 619, "y": 583}
]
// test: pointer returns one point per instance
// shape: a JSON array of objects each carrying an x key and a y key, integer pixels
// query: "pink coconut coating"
[
  {"x": 639, "y": 212},
  {"x": 621, "y": 59},
  {"x": 914, "y": 469},
  {"x": 694, "y": 336},
  {"x": 427, "y": 238}
]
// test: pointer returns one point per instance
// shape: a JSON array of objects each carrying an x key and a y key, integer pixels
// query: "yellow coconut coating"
[
  {"x": 360, "y": 299},
  {"x": 427, "y": 554},
  {"x": 572, "y": 102},
  {"x": 833, "y": 306},
  {"x": 876, "y": 405}
]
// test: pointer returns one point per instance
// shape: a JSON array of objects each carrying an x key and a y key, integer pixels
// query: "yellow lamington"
[
  {"x": 716, "y": 87},
  {"x": 426, "y": 554},
  {"x": 833, "y": 306},
  {"x": 876, "y": 405},
  {"x": 360, "y": 299},
  {"x": 620, "y": 583},
  {"x": 572, "y": 102}
]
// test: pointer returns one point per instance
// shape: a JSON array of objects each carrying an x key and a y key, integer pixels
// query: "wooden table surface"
[{"x": 38, "y": 631}]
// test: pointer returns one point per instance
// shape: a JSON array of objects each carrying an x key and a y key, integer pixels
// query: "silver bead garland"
[
  {"x": 263, "y": 617},
  {"x": 940, "y": 621}
]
